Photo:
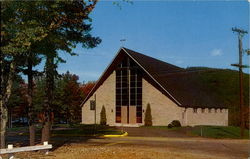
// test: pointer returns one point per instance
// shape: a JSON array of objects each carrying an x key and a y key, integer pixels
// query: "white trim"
[{"x": 152, "y": 77}]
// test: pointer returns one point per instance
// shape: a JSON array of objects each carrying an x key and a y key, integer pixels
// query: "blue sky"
[{"x": 183, "y": 33}]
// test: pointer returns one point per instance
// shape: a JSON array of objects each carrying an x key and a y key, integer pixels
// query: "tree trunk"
[
  {"x": 30, "y": 103},
  {"x": 1, "y": 99},
  {"x": 50, "y": 73},
  {"x": 46, "y": 131},
  {"x": 9, "y": 117},
  {"x": 5, "y": 95},
  {"x": 4, "y": 114}
]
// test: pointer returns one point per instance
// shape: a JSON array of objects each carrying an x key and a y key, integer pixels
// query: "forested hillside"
[{"x": 223, "y": 84}]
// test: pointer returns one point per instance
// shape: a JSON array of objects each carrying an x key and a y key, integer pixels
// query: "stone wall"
[{"x": 206, "y": 117}]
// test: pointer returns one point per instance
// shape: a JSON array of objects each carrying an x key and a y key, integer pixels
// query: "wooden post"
[
  {"x": 45, "y": 143},
  {"x": 240, "y": 66},
  {"x": 11, "y": 155}
]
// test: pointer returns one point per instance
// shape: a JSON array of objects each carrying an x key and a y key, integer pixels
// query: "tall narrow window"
[
  {"x": 128, "y": 88},
  {"x": 118, "y": 95}
]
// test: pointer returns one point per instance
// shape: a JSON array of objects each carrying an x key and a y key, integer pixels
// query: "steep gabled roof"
[{"x": 179, "y": 84}]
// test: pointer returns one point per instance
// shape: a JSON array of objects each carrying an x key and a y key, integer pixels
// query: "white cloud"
[{"x": 216, "y": 52}]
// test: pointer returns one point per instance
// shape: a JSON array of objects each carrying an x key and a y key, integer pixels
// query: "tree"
[
  {"x": 86, "y": 88},
  {"x": 148, "y": 116},
  {"x": 103, "y": 118},
  {"x": 56, "y": 25},
  {"x": 17, "y": 101},
  {"x": 68, "y": 97},
  {"x": 72, "y": 26},
  {"x": 18, "y": 32}
]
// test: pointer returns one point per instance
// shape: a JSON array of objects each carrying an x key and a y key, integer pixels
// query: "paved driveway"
[
  {"x": 145, "y": 143},
  {"x": 145, "y": 148},
  {"x": 154, "y": 132}
]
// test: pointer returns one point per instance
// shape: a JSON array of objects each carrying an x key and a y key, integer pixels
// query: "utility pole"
[{"x": 240, "y": 66}]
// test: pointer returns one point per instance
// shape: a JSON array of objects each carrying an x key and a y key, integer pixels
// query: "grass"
[
  {"x": 219, "y": 132},
  {"x": 18, "y": 129},
  {"x": 86, "y": 130},
  {"x": 76, "y": 130},
  {"x": 162, "y": 127}
]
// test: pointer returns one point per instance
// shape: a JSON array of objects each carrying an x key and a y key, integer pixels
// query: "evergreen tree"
[
  {"x": 103, "y": 120},
  {"x": 148, "y": 116}
]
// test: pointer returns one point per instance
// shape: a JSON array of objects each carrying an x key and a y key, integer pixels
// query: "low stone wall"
[{"x": 205, "y": 116}]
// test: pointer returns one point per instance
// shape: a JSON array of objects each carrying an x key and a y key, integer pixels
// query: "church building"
[{"x": 133, "y": 80}]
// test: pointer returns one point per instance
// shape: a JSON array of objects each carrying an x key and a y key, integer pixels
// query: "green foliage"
[
  {"x": 67, "y": 97},
  {"x": 20, "y": 27},
  {"x": 39, "y": 94},
  {"x": 223, "y": 85},
  {"x": 18, "y": 100},
  {"x": 103, "y": 118},
  {"x": 148, "y": 116},
  {"x": 18, "y": 93}
]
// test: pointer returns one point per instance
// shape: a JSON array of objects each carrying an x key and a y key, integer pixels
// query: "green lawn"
[
  {"x": 86, "y": 130},
  {"x": 18, "y": 129},
  {"x": 218, "y": 132},
  {"x": 73, "y": 130}
]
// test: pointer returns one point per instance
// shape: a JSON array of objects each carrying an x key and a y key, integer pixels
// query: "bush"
[
  {"x": 170, "y": 125},
  {"x": 103, "y": 120},
  {"x": 148, "y": 116},
  {"x": 174, "y": 123}
]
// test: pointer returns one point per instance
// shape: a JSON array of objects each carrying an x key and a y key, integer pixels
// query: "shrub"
[
  {"x": 174, "y": 123},
  {"x": 148, "y": 116},
  {"x": 170, "y": 125},
  {"x": 103, "y": 120}
]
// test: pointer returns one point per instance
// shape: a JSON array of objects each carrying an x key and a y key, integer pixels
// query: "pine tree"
[
  {"x": 148, "y": 116},
  {"x": 103, "y": 116}
]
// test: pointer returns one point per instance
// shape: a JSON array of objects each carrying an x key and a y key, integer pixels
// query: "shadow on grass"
[
  {"x": 58, "y": 142},
  {"x": 61, "y": 134}
]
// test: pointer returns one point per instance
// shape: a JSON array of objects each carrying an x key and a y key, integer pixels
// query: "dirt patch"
[{"x": 113, "y": 151}]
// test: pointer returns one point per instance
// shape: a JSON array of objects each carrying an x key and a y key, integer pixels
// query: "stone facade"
[
  {"x": 205, "y": 117},
  {"x": 163, "y": 109},
  {"x": 105, "y": 95}
]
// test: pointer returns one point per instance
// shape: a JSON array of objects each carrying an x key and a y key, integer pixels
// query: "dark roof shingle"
[{"x": 182, "y": 84}]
